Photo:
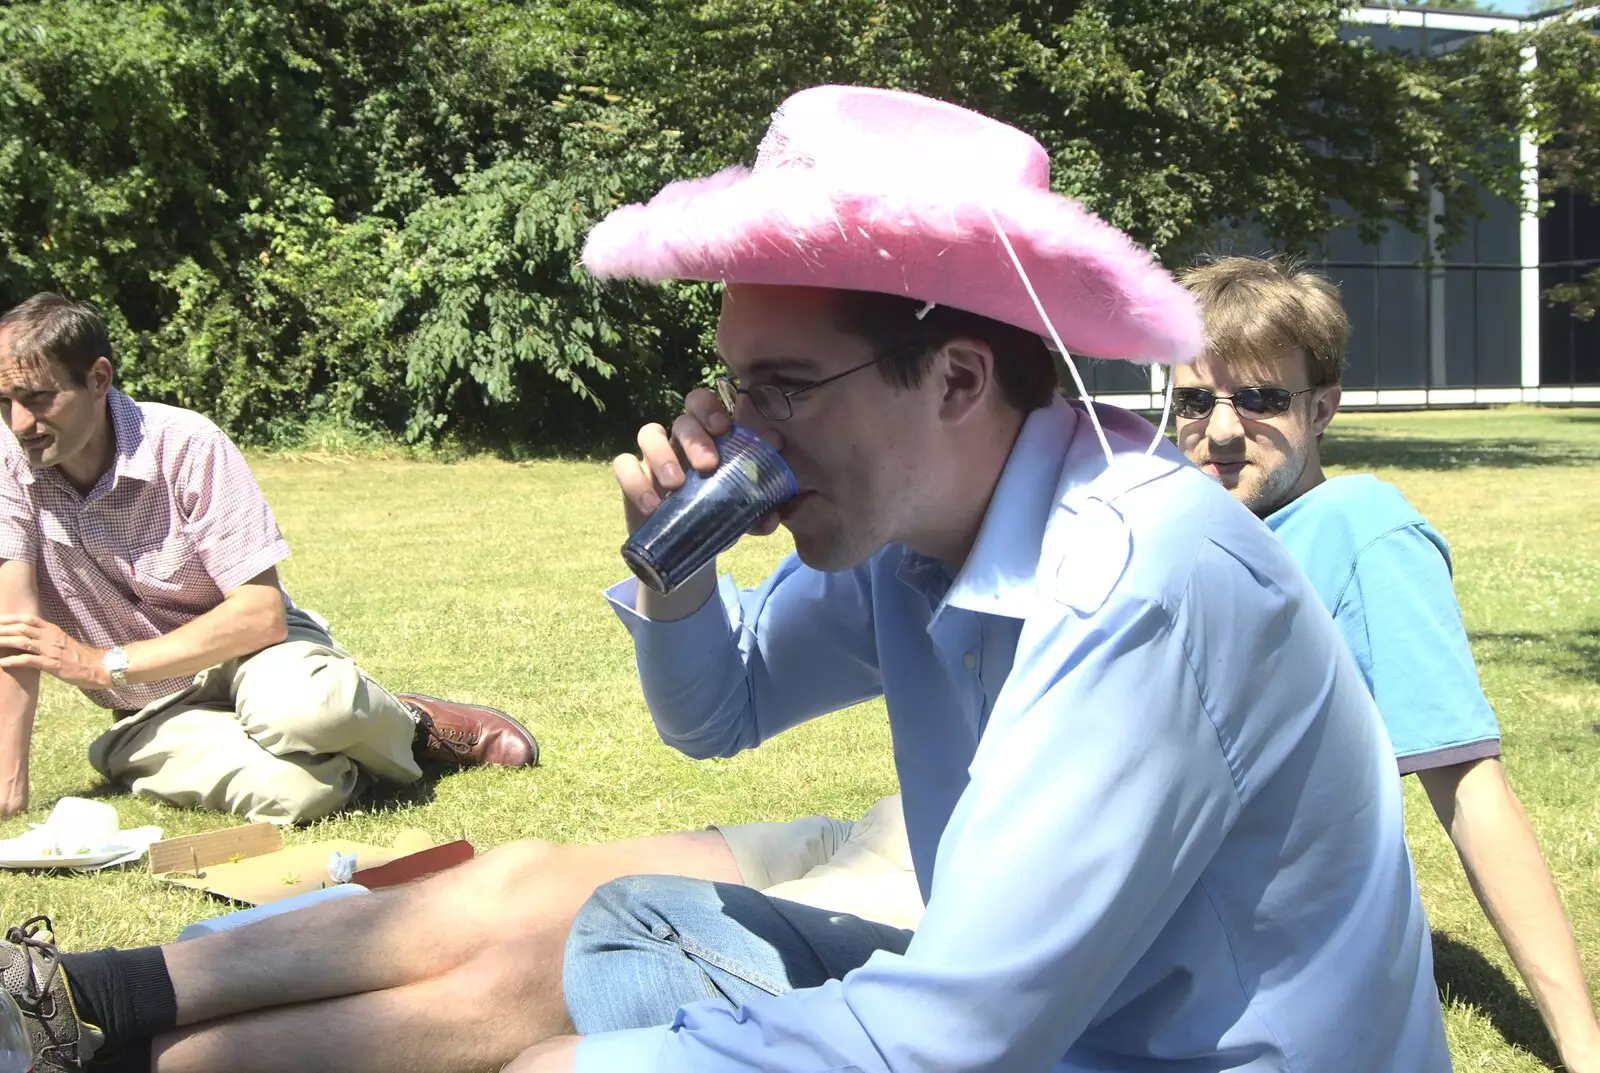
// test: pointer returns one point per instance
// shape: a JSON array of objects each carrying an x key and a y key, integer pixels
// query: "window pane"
[
  {"x": 1585, "y": 229},
  {"x": 1464, "y": 250},
  {"x": 1499, "y": 327},
  {"x": 1399, "y": 38},
  {"x": 1343, "y": 244},
  {"x": 1402, "y": 328},
  {"x": 1103, "y": 376},
  {"x": 1499, "y": 234},
  {"x": 1401, "y": 245},
  {"x": 1555, "y": 229},
  {"x": 1555, "y": 330},
  {"x": 1586, "y": 351},
  {"x": 1358, "y": 287},
  {"x": 1460, "y": 328}
]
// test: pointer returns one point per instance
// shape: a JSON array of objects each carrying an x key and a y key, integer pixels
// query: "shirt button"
[{"x": 970, "y": 660}]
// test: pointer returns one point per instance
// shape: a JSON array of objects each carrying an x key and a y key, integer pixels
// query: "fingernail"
[{"x": 671, "y": 472}]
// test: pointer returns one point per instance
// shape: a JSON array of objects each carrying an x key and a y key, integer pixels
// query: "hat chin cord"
[{"x": 1072, "y": 366}]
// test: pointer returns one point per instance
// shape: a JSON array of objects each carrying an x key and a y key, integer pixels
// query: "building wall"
[
  {"x": 1471, "y": 327},
  {"x": 1455, "y": 323}
]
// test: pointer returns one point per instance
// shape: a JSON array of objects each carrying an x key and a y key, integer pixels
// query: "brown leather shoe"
[{"x": 466, "y": 735}]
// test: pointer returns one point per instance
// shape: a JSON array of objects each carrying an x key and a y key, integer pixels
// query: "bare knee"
[
  {"x": 513, "y": 990},
  {"x": 517, "y": 867},
  {"x": 506, "y": 890}
]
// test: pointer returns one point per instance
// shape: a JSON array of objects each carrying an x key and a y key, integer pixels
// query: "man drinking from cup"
[{"x": 1150, "y": 803}]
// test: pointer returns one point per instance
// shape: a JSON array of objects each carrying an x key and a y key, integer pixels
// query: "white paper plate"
[
  {"x": 9, "y": 858},
  {"x": 26, "y": 851}
]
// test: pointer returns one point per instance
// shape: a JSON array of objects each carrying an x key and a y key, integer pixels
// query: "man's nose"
[
  {"x": 746, "y": 414},
  {"x": 20, "y": 419},
  {"x": 1224, "y": 425}
]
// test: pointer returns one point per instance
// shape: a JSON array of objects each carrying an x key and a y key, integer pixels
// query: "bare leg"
[{"x": 459, "y": 972}]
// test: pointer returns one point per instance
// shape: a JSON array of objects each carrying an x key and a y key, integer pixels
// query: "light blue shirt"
[
  {"x": 1151, "y": 804},
  {"x": 1384, "y": 572}
]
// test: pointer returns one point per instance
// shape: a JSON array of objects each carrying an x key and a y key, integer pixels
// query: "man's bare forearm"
[
  {"x": 19, "y": 692},
  {"x": 1508, "y": 874},
  {"x": 248, "y": 620},
  {"x": 19, "y": 700}
]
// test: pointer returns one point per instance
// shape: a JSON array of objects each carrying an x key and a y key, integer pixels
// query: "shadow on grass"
[
  {"x": 1587, "y": 416},
  {"x": 1466, "y": 976},
  {"x": 98, "y": 790},
  {"x": 1360, "y": 448},
  {"x": 386, "y": 795},
  {"x": 378, "y": 797},
  {"x": 1569, "y": 653}
]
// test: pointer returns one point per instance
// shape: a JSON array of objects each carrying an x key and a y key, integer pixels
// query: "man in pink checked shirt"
[{"x": 138, "y": 562}]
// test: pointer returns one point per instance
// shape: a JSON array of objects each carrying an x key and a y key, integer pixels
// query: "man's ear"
[
  {"x": 100, "y": 376},
  {"x": 1325, "y": 403},
  {"x": 966, "y": 371}
]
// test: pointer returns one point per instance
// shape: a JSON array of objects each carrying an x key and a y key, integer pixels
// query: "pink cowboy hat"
[{"x": 878, "y": 190}]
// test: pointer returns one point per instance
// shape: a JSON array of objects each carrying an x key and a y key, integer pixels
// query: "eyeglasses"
[
  {"x": 773, "y": 402},
  {"x": 1193, "y": 402}
]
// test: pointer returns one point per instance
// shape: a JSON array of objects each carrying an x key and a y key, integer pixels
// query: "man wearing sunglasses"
[{"x": 1251, "y": 413}]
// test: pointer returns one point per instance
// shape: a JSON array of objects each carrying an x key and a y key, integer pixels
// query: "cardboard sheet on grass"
[{"x": 251, "y": 864}]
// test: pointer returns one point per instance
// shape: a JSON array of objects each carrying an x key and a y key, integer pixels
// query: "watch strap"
[{"x": 115, "y": 661}]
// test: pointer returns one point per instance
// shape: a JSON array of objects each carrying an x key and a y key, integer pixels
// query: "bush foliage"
[{"x": 369, "y": 212}]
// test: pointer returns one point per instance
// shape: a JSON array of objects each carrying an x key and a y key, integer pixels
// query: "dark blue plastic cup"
[{"x": 708, "y": 515}]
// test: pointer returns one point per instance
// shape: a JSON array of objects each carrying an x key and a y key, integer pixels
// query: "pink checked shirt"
[{"x": 177, "y": 522}]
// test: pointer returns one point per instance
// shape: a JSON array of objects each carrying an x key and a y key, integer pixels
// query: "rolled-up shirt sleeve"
[
  {"x": 1099, "y": 794},
  {"x": 19, "y": 528},
  {"x": 749, "y": 664}
]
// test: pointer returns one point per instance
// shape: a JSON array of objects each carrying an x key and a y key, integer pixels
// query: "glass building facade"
[{"x": 1466, "y": 328}]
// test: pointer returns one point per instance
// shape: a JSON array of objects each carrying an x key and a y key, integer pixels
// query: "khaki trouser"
[
  {"x": 287, "y": 734},
  {"x": 862, "y": 867}
]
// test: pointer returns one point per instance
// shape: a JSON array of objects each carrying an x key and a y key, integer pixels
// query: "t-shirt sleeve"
[
  {"x": 19, "y": 530},
  {"x": 1400, "y": 619},
  {"x": 225, "y": 515}
]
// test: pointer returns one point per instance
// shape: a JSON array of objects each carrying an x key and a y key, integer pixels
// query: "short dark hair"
[
  {"x": 888, "y": 322},
  {"x": 52, "y": 327}
]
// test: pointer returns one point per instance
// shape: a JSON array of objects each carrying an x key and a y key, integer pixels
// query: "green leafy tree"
[
  {"x": 1168, "y": 119},
  {"x": 369, "y": 212},
  {"x": 503, "y": 329}
]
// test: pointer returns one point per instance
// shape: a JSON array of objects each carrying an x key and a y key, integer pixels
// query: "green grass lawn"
[{"x": 481, "y": 580}]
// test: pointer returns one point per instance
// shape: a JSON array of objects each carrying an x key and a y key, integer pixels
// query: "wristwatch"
[{"x": 115, "y": 661}]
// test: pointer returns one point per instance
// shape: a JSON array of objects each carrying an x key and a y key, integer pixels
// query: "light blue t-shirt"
[
  {"x": 1384, "y": 573},
  {"x": 1150, "y": 801}
]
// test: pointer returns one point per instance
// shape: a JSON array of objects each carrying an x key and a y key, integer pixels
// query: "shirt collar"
[
  {"x": 134, "y": 457},
  {"x": 998, "y": 577}
]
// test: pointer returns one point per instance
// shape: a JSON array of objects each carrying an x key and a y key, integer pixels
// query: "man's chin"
[
  {"x": 826, "y": 554},
  {"x": 1259, "y": 500}
]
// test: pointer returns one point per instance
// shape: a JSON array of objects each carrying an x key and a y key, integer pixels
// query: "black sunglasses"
[{"x": 1193, "y": 402}]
